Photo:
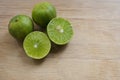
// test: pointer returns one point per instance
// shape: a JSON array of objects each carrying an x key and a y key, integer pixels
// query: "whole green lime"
[
  {"x": 42, "y": 13},
  {"x": 19, "y": 26}
]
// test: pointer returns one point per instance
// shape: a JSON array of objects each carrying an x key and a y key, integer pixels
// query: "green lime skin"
[
  {"x": 19, "y": 26},
  {"x": 37, "y": 45},
  {"x": 42, "y": 13},
  {"x": 59, "y": 31}
]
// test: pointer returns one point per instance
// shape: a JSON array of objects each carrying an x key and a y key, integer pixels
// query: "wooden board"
[{"x": 92, "y": 54}]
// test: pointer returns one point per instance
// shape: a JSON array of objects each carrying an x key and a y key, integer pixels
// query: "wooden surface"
[{"x": 92, "y": 54}]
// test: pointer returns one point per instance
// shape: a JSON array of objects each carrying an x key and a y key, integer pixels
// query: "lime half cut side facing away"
[
  {"x": 59, "y": 31},
  {"x": 37, "y": 45}
]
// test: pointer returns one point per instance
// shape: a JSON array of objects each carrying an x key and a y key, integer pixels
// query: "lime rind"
[
  {"x": 37, "y": 45},
  {"x": 59, "y": 31},
  {"x": 42, "y": 13},
  {"x": 20, "y": 26}
]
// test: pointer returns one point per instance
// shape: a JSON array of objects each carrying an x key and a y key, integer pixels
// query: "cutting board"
[{"x": 92, "y": 54}]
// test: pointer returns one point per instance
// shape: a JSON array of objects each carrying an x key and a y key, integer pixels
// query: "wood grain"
[{"x": 92, "y": 54}]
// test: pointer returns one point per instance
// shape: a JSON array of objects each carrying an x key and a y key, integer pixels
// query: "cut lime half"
[
  {"x": 37, "y": 45},
  {"x": 59, "y": 31}
]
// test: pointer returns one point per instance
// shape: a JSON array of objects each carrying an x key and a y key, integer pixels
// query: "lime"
[
  {"x": 59, "y": 31},
  {"x": 37, "y": 45},
  {"x": 43, "y": 12},
  {"x": 19, "y": 26}
]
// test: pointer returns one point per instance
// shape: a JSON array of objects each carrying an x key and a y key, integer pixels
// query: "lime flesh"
[
  {"x": 59, "y": 31},
  {"x": 19, "y": 26},
  {"x": 43, "y": 12},
  {"x": 37, "y": 45}
]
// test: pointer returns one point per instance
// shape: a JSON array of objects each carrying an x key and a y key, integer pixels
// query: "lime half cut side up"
[
  {"x": 59, "y": 31},
  {"x": 37, "y": 45}
]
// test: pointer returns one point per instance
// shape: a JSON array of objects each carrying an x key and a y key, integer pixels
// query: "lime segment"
[
  {"x": 59, "y": 31},
  {"x": 37, "y": 45}
]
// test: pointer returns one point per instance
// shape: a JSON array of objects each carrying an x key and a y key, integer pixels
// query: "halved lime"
[
  {"x": 59, "y": 31},
  {"x": 37, "y": 45},
  {"x": 43, "y": 12}
]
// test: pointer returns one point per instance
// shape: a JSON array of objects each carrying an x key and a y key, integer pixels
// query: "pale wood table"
[{"x": 92, "y": 54}]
